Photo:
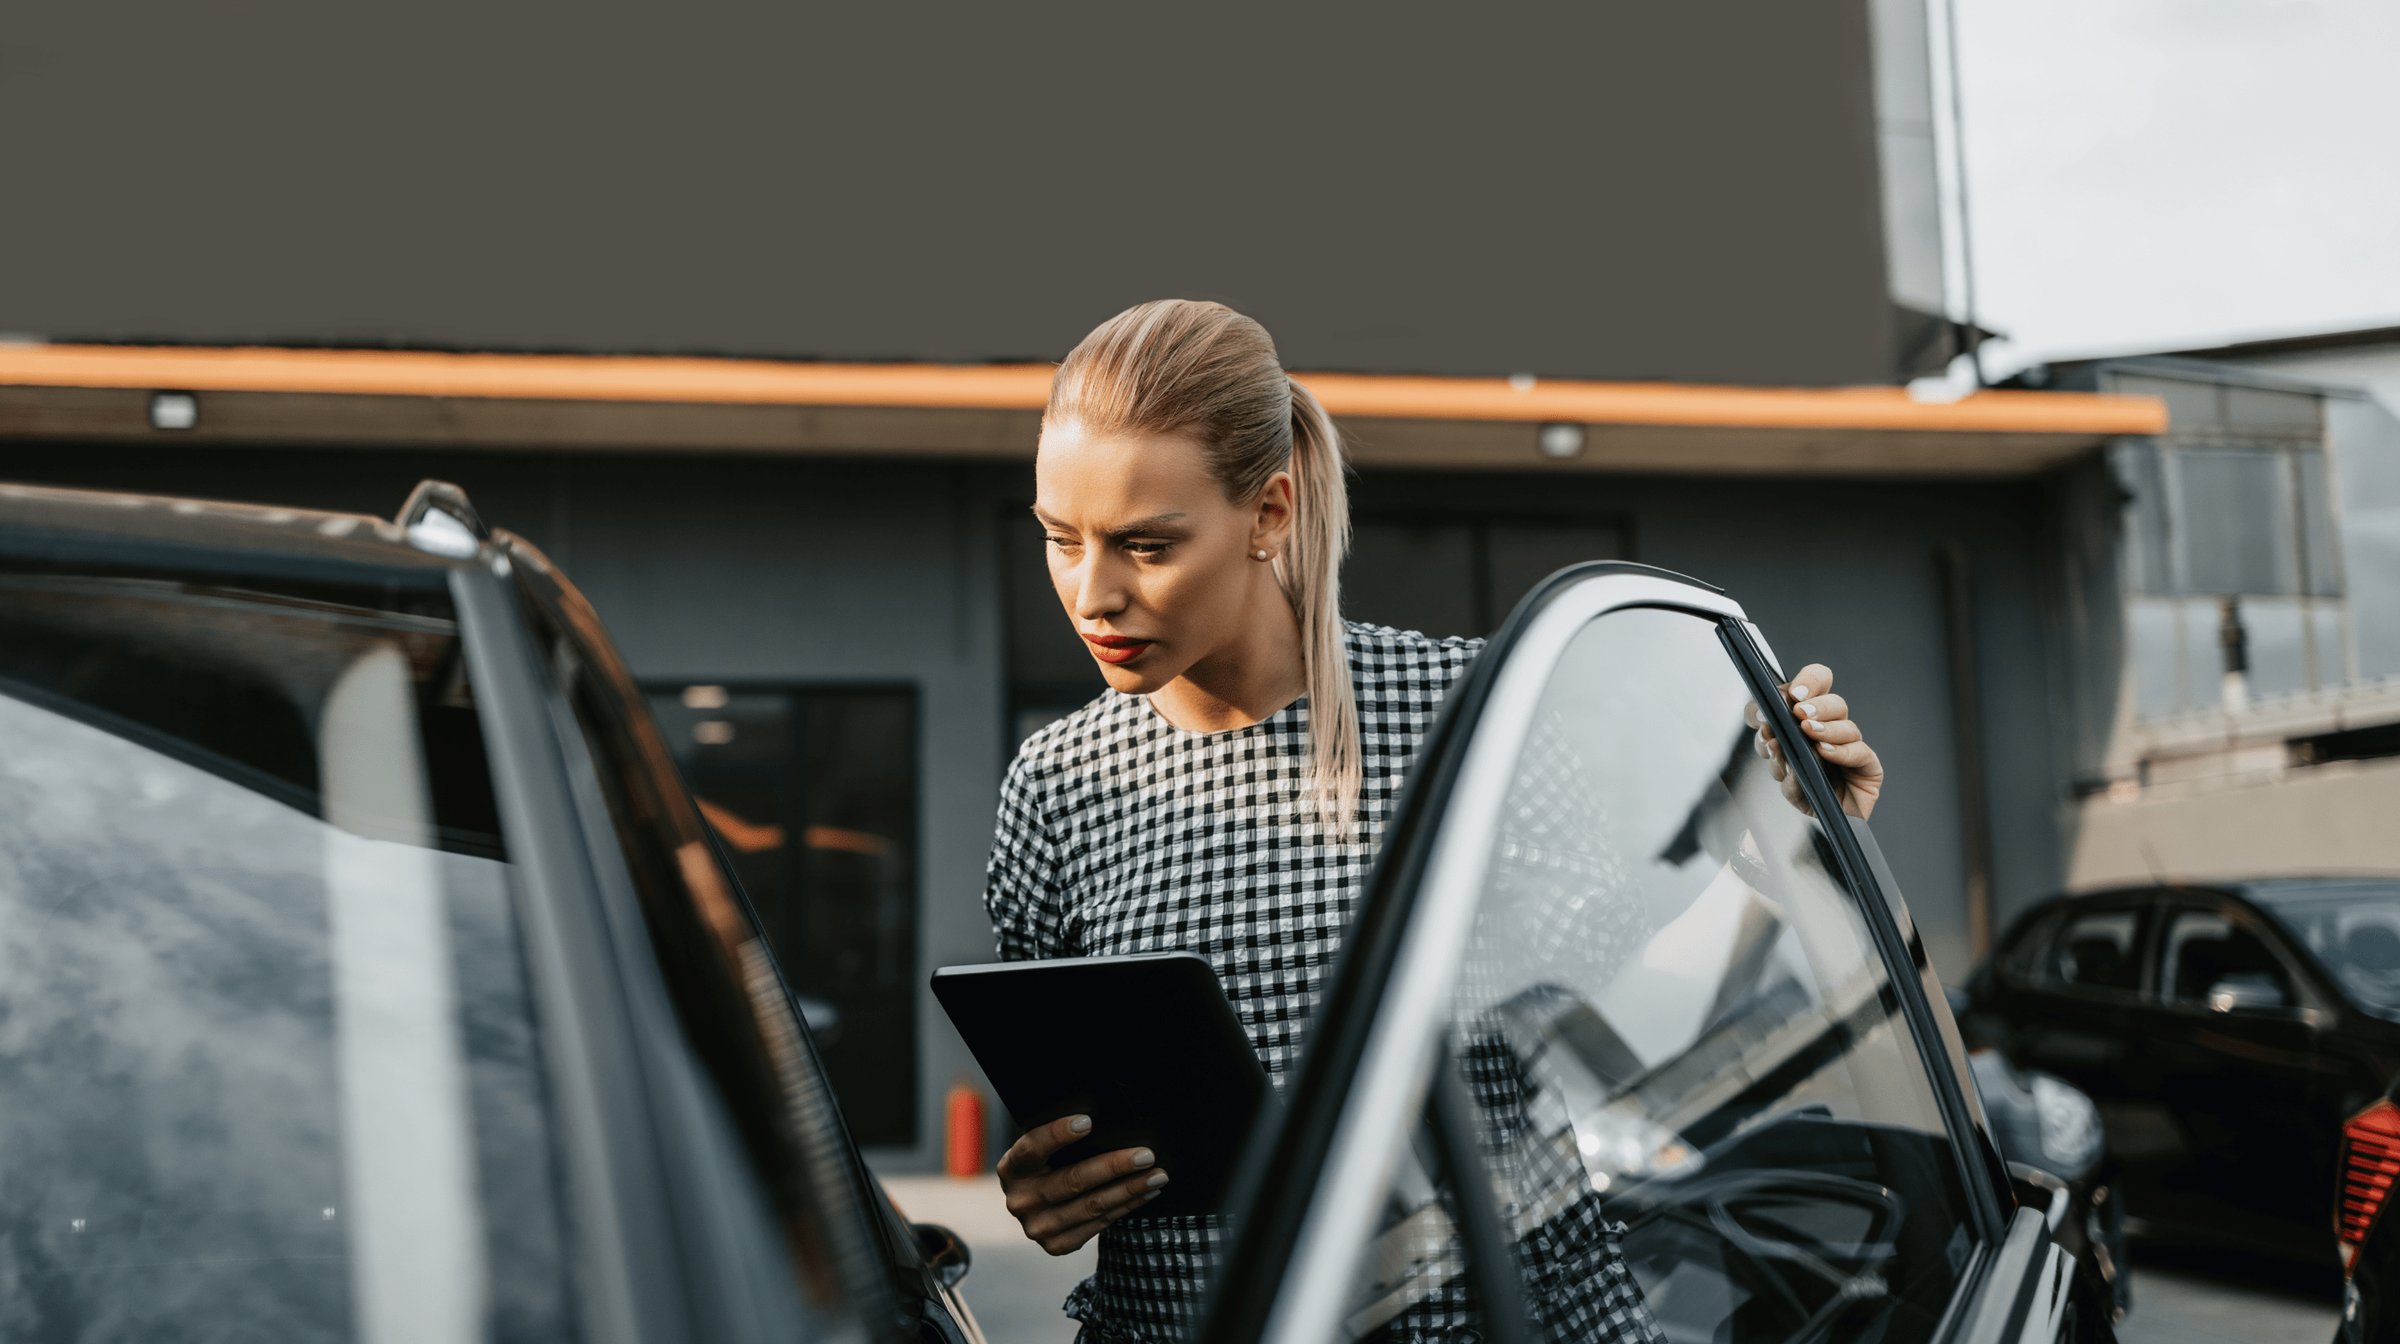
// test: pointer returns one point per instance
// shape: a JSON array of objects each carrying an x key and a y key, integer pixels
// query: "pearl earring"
[{"x": 1260, "y": 554}]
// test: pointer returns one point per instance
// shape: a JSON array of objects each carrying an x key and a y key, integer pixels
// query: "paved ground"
[
  {"x": 2179, "y": 1297},
  {"x": 1014, "y": 1286},
  {"x": 2186, "y": 1297}
]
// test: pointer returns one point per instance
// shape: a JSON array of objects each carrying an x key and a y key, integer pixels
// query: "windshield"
[
  {"x": 2354, "y": 932},
  {"x": 268, "y": 1066}
]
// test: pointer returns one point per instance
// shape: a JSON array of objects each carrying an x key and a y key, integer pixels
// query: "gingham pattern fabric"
[{"x": 1120, "y": 833}]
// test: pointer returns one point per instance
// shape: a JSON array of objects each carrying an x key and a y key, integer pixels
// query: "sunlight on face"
[{"x": 1150, "y": 559}]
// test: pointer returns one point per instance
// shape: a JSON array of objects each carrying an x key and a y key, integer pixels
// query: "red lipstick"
[{"x": 1116, "y": 648}]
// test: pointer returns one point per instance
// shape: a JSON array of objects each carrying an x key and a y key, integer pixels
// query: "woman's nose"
[{"x": 1099, "y": 589}]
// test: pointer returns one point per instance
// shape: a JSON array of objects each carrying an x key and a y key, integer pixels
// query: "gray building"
[
  {"x": 2233, "y": 616},
  {"x": 744, "y": 328}
]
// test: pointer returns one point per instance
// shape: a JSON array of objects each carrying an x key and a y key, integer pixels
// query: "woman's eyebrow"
[{"x": 1154, "y": 523}]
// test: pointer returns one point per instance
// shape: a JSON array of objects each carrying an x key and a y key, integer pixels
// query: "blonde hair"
[{"x": 1204, "y": 371}]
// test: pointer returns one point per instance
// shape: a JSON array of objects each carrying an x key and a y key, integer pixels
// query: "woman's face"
[{"x": 1152, "y": 562}]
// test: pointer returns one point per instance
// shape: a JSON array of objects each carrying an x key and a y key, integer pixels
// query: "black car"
[
  {"x": 2226, "y": 1032},
  {"x": 366, "y": 971}
]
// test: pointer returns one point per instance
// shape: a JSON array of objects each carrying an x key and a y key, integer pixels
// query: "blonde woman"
[{"x": 1225, "y": 795}]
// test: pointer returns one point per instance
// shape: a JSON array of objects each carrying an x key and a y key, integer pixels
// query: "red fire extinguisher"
[{"x": 964, "y": 1130}]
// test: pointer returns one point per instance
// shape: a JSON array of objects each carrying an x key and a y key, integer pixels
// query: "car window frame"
[
  {"x": 2312, "y": 998},
  {"x": 2143, "y": 905},
  {"x": 1376, "y": 1039},
  {"x": 542, "y": 594}
]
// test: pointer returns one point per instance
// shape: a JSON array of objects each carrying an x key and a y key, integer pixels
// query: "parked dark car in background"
[
  {"x": 2225, "y": 1031},
  {"x": 367, "y": 972}
]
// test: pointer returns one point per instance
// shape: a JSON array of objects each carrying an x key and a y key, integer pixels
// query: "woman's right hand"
[{"x": 1061, "y": 1210}]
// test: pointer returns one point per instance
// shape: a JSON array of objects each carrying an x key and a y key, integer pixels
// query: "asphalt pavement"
[
  {"x": 2204, "y": 1297},
  {"x": 1014, "y": 1286},
  {"x": 2180, "y": 1297}
]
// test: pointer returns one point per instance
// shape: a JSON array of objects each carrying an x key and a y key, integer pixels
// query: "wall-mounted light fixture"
[
  {"x": 1561, "y": 440},
  {"x": 174, "y": 410}
]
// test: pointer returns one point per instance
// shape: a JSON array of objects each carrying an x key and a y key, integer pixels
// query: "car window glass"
[
  {"x": 2095, "y": 951},
  {"x": 2023, "y": 961},
  {"x": 2209, "y": 961},
  {"x": 1700, "y": 1112},
  {"x": 2355, "y": 934},
  {"x": 733, "y": 1006},
  {"x": 272, "y": 1065}
]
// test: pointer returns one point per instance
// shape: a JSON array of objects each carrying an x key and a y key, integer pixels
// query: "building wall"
[
  {"x": 1687, "y": 191},
  {"x": 725, "y": 569}
]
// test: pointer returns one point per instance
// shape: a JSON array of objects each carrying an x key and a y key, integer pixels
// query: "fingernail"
[
  {"x": 1143, "y": 1157},
  {"x": 1799, "y": 690},
  {"x": 1081, "y": 1124},
  {"x": 1157, "y": 1179},
  {"x": 1806, "y": 710}
]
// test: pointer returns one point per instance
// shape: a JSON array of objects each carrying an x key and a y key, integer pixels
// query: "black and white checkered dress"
[{"x": 1121, "y": 833}]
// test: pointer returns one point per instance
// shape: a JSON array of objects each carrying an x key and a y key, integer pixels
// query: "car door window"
[
  {"x": 274, "y": 1069},
  {"x": 2097, "y": 951},
  {"x": 1694, "y": 1099},
  {"x": 2211, "y": 962}
]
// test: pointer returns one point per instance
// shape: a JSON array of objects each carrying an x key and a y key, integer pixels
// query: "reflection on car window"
[
  {"x": 1700, "y": 1115},
  {"x": 2355, "y": 934},
  {"x": 802, "y": 1191},
  {"x": 2095, "y": 951},
  {"x": 2208, "y": 961},
  {"x": 268, "y": 1064}
]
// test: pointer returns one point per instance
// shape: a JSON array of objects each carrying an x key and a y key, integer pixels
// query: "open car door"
[{"x": 1631, "y": 1041}]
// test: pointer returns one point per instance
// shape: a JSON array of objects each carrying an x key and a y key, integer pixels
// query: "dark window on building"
[
  {"x": 814, "y": 794},
  {"x": 1450, "y": 575}
]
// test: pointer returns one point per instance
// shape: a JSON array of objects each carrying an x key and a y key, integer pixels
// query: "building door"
[{"x": 814, "y": 794}]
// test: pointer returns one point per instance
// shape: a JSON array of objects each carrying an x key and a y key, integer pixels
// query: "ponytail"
[
  {"x": 1312, "y": 579},
  {"x": 1180, "y": 366}
]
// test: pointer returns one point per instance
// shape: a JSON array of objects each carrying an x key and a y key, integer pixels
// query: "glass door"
[{"x": 1629, "y": 1045}]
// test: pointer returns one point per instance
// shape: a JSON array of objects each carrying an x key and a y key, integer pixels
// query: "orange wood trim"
[{"x": 1026, "y": 387}]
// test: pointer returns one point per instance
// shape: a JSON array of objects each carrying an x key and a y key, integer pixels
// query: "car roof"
[
  {"x": 45, "y": 527},
  {"x": 2278, "y": 890}
]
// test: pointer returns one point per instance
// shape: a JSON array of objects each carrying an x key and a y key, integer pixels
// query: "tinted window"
[
  {"x": 1699, "y": 1110},
  {"x": 2355, "y": 934},
  {"x": 2209, "y": 961},
  {"x": 268, "y": 1062},
  {"x": 2095, "y": 951}
]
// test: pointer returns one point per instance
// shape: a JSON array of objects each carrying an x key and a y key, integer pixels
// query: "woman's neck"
[{"x": 1243, "y": 683}]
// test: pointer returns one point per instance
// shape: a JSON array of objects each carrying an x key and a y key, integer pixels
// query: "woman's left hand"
[{"x": 1825, "y": 719}]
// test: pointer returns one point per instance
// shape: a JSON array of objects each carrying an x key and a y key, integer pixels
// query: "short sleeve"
[{"x": 1020, "y": 890}]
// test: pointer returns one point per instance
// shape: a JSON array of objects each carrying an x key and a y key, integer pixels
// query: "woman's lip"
[{"x": 1115, "y": 649}]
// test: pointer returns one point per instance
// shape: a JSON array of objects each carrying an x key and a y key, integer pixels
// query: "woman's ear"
[{"x": 1271, "y": 528}]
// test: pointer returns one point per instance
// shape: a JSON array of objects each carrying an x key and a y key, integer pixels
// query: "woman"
[{"x": 1226, "y": 793}]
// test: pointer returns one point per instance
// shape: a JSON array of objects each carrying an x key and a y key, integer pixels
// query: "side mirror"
[
  {"x": 2248, "y": 992},
  {"x": 945, "y": 1254}
]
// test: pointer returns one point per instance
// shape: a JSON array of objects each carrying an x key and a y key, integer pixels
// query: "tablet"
[{"x": 1146, "y": 1045}]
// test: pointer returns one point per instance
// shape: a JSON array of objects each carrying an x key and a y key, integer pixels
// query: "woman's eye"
[
  {"x": 1150, "y": 549},
  {"x": 1062, "y": 543}
]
